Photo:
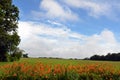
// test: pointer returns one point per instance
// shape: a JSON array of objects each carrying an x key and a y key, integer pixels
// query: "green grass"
[
  {"x": 83, "y": 75},
  {"x": 58, "y": 61},
  {"x": 116, "y": 64}
]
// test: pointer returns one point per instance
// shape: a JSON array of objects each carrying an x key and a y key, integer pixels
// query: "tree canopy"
[
  {"x": 108, "y": 57},
  {"x": 9, "y": 39}
]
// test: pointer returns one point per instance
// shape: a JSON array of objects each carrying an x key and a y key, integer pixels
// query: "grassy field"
[
  {"x": 116, "y": 64},
  {"x": 59, "y": 69}
]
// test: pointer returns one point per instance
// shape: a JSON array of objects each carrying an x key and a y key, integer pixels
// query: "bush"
[
  {"x": 16, "y": 55},
  {"x": 25, "y": 55}
]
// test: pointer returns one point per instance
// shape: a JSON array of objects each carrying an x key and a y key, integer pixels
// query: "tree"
[
  {"x": 95, "y": 57},
  {"x": 17, "y": 54},
  {"x": 9, "y": 39},
  {"x": 108, "y": 57},
  {"x": 25, "y": 55}
]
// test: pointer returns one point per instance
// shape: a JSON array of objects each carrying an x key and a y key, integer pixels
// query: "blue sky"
[{"x": 69, "y": 28}]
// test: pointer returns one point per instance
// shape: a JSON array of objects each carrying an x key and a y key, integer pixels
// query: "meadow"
[{"x": 59, "y": 69}]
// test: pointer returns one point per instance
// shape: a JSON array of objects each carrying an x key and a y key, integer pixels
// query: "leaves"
[{"x": 9, "y": 16}]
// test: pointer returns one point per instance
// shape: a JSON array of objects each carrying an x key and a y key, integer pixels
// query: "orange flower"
[{"x": 14, "y": 74}]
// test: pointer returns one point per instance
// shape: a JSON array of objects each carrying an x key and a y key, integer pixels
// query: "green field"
[
  {"x": 115, "y": 64},
  {"x": 59, "y": 69}
]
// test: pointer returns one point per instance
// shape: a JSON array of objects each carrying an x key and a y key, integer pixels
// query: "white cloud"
[
  {"x": 68, "y": 10},
  {"x": 43, "y": 40},
  {"x": 52, "y": 9},
  {"x": 94, "y": 8},
  {"x": 55, "y": 23}
]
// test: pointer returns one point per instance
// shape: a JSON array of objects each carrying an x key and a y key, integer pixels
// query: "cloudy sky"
[{"x": 69, "y": 28}]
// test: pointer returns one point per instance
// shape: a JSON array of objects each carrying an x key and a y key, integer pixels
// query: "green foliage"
[
  {"x": 25, "y": 55},
  {"x": 67, "y": 75},
  {"x": 39, "y": 71},
  {"x": 17, "y": 54},
  {"x": 108, "y": 57},
  {"x": 9, "y": 39}
]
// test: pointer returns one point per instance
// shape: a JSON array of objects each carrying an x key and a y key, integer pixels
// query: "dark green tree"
[
  {"x": 9, "y": 39},
  {"x": 25, "y": 55},
  {"x": 108, "y": 57},
  {"x": 16, "y": 55}
]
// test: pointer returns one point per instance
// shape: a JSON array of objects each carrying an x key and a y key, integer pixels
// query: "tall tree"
[{"x": 9, "y": 39}]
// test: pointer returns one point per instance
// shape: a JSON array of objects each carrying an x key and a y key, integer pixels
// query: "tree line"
[{"x": 108, "y": 57}]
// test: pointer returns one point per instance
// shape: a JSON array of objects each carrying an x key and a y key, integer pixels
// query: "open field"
[
  {"x": 116, "y": 64},
  {"x": 59, "y": 69}
]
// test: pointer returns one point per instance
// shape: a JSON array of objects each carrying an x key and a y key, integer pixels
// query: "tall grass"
[{"x": 59, "y": 69}]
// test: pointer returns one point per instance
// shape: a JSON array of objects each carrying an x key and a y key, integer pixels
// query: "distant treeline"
[{"x": 108, "y": 57}]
